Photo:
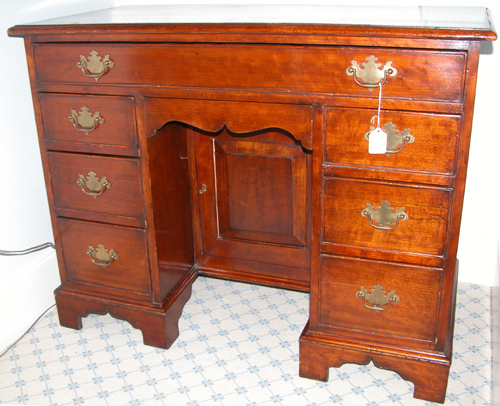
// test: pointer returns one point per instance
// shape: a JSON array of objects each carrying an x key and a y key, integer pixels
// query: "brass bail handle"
[
  {"x": 377, "y": 298},
  {"x": 95, "y": 66},
  {"x": 370, "y": 76},
  {"x": 92, "y": 185},
  {"x": 85, "y": 121},
  {"x": 101, "y": 256},
  {"x": 396, "y": 140},
  {"x": 384, "y": 217}
]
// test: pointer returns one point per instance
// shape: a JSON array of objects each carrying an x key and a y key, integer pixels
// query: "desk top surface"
[{"x": 441, "y": 21}]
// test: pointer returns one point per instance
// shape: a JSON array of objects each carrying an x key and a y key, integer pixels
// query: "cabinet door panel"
[
  {"x": 253, "y": 203},
  {"x": 259, "y": 195}
]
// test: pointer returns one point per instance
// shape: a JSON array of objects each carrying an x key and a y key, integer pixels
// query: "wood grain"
[
  {"x": 421, "y": 74},
  {"x": 122, "y": 201},
  {"x": 237, "y": 151},
  {"x": 118, "y": 128}
]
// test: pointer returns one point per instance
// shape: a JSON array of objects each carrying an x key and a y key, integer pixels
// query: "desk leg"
[
  {"x": 159, "y": 326},
  {"x": 429, "y": 377}
]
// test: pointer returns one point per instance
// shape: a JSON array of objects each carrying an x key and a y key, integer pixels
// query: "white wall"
[
  {"x": 27, "y": 282},
  {"x": 24, "y": 217}
]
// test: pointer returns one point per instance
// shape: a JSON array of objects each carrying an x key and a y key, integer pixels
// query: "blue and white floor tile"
[{"x": 238, "y": 346}]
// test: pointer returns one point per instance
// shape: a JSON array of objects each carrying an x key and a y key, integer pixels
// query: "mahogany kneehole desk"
[{"x": 250, "y": 151}]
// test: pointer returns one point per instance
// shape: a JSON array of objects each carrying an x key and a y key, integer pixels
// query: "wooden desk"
[{"x": 236, "y": 142}]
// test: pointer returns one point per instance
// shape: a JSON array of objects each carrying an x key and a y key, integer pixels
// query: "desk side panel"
[{"x": 171, "y": 206}]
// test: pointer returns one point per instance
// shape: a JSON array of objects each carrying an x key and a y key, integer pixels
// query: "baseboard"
[{"x": 27, "y": 284}]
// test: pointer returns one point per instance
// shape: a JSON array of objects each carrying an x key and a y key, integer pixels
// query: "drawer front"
[
  {"x": 420, "y": 74},
  {"x": 96, "y": 184},
  {"x": 410, "y": 311},
  {"x": 347, "y": 222},
  {"x": 432, "y": 145},
  {"x": 96, "y": 120},
  {"x": 129, "y": 271}
]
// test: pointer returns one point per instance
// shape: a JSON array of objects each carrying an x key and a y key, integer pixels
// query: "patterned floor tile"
[{"x": 238, "y": 346}]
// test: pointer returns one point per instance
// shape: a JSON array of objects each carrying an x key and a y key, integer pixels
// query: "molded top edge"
[{"x": 464, "y": 22}]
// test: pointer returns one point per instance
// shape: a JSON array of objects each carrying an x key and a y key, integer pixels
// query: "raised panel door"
[{"x": 253, "y": 199}]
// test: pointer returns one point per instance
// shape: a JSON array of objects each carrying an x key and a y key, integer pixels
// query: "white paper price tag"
[{"x": 377, "y": 142}]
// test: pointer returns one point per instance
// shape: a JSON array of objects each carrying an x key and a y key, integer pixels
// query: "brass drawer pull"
[
  {"x": 85, "y": 121},
  {"x": 395, "y": 140},
  {"x": 377, "y": 298},
  {"x": 101, "y": 256},
  {"x": 92, "y": 185},
  {"x": 384, "y": 216},
  {"x": 93, "y": 66},
  {"x": 370, "y": 74}
]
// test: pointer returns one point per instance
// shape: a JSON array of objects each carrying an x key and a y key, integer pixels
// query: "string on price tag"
[{"x": 377, "y": 139}]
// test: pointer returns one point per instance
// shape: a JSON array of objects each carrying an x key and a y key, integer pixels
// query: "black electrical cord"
[
  {"x": 26, "y": 332},
  {"x": 29, "y": 250},
  {"x": 25, "y": 252}
]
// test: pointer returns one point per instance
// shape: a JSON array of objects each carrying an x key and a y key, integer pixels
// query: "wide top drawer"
[{"x": 409, "y": 73}]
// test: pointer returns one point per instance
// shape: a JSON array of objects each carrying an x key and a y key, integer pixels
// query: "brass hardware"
[
  {"x": 384, "y": 216},
  {"x": 85, "y": 121},
  {"x": 203, "y": 189},
  {"x": 93, "y": 66},
  {"x": 377, "y": 298},
  {"x": 92, "y": 185},
  {"x": 370, "y": 74},
  {"x": 395, "y": 140},
  {"x": 101, "y": 256}
]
